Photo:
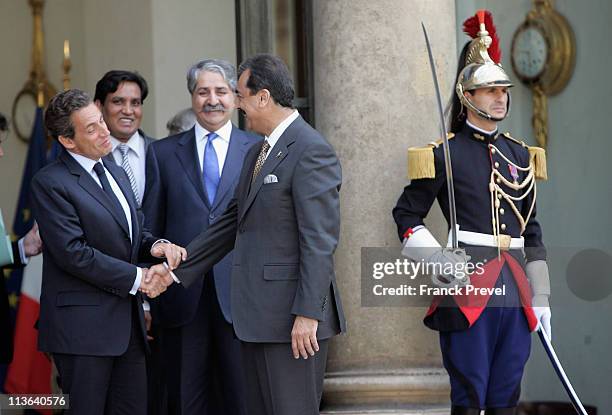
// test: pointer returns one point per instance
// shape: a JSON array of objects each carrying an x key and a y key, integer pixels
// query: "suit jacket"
[
  {"x": 176, "y": 207},
  {"x": 6, "y": 344},
  {"x": 284, "y": 235},
  {"x": 88, "y": 262}
]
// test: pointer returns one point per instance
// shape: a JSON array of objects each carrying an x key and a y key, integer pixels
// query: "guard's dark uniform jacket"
[{"x": 494, "y": 182}]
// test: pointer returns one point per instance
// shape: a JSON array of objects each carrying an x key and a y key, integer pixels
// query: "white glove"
[
  {"x": 543, "y": 314},
  {"x": 537, "y": 274}
]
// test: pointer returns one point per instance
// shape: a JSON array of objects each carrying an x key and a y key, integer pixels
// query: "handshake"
[
  {"x": 158, "y": 278},
  {"x": 155, "y": 280}
]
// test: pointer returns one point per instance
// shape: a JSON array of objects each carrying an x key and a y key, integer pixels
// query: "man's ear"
[
  {"x": 264, "y": 97},
  {"x": 98, "y": 104},
  {"x": 67, "y": 142}
]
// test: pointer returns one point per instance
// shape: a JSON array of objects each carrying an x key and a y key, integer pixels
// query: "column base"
[
  {"x": 416, "y": 410},
  {"x": 403, "y": 391}
]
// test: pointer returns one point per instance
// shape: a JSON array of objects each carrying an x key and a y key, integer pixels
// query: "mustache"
[{"x": 211, "y": 108}]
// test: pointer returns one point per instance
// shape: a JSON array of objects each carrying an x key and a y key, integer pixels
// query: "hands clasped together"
[{"x": 157, "y": 279}]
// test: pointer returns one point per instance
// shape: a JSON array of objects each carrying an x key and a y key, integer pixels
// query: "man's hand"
[
  {"x": 32, "y": 244},
  {"x": 304, "y": 337},
  {"x": 148, "y": 320},
  {"x": 541, "y": 309},
  {"x": 174, "y": 254},
  {"x": 452, "y": 264},
  {"x": 155, "y": 280}
]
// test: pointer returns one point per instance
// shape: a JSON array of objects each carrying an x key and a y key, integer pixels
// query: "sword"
[
  {"x": 447, "y": 159},
  {"x": 550, "y": 351}
]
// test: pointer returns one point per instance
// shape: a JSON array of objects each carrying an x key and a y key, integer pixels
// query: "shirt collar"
[
  {"x": 85, "y": 162},
  {"x": 479, "y": 133},
  {"x": 224, "y": 132},
  {"x": 135, "y": 143},
  {"x": 280, "y": 128}
]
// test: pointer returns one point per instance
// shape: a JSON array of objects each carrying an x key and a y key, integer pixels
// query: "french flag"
[{"x": 30, "y": 370}]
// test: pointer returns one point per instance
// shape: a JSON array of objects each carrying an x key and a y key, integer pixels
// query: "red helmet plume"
[{"x": 472, "y": 26}]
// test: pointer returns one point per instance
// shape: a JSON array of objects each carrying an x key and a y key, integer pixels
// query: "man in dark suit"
[
  {"x": 193, "y": 175},
  {"x": 91, "y": 316},
  {"x": 120, "y": 95},
  {"x": 29, "y": 245},
  {"x": 283, "y": 225}
]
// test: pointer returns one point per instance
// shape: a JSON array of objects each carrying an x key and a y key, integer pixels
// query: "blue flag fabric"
[{"x": 23, "y": 222}]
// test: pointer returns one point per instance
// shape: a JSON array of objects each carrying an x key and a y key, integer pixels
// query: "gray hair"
[
  {"x": 182, "y": 121},
  {"x": 223, "y": 68}
]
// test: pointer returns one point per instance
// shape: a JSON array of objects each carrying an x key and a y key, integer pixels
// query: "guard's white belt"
[{"x": 485, "y": 239}]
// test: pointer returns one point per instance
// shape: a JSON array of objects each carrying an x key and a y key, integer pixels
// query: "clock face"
[{"x": 529, "y": 52}]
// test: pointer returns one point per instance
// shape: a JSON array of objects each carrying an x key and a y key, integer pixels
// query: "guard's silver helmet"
[{"x": 480, "y": 70}]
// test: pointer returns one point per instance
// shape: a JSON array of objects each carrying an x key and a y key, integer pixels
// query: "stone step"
[{"x": 405, "y": 410}]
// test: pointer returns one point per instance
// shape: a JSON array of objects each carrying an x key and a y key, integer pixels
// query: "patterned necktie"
[
  {"x": 211, "y": 168},
  {"x": 261, "y": 158},
  {"x": 99, "y": 169},
  {"x": 125, "y": 164}
]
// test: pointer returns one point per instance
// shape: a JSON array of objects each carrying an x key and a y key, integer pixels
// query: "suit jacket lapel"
[
  {"x": 128, "y": 193},
  {"x": 89, "y": 184},
  {"x": 110, "y": 158},
  {"x": 233, "y": 162},
  {"x": 277, "y": 154},
  {"x": 187, "y": 152}
]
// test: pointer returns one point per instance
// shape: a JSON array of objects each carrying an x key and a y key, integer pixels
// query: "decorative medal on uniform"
[{"x": 513, "y": 172}]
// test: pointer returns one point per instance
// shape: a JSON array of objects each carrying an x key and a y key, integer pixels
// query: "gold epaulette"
[
  {"x": 421, "y": 164},
  {"x": 537, "y": 156}
]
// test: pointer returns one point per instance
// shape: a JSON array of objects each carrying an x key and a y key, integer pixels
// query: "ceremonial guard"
[{"x": 485, "y": 339}]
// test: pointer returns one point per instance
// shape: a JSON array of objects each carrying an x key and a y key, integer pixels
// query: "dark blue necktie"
[
  {"x": 99, "y": 169},
  {"x": 210, "y": 172}
]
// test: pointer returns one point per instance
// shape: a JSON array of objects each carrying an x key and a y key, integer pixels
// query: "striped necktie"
[{"x": 125, "y": 164}]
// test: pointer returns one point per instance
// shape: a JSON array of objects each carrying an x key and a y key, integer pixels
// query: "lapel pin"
[{"x": 280, "y": 153}]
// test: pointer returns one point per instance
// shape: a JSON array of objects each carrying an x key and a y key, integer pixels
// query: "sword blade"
[
  {"x": 550, "y": 351},
  {"x": 447, "y": 159}
]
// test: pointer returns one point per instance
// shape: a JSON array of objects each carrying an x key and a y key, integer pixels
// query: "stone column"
[{"x": 374, "y": 99}]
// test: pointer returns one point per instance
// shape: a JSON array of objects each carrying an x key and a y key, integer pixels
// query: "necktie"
[
  {"x": 261, "y": 158},
  {"x": 125, "y": 164},
  {"x": 211, "y": 168},
  {"x": 99, "y": 169}
]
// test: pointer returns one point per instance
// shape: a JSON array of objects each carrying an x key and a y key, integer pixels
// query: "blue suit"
[{"x": 177, "y": 207}]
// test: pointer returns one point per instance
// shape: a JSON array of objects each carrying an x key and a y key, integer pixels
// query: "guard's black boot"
[{"x": 461, "y": 410}]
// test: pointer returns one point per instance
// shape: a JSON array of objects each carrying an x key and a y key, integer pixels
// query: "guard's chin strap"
[{"x": 484, "y": 114}]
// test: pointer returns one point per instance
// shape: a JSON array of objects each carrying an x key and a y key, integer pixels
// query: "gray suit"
[{"x": 284, "y": 235}]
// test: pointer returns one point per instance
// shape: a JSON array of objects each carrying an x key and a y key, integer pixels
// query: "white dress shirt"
[
  {"x": 136, "y": 157},
  {"x": 280, "y": 129},
  {"x": 88, "y": 164},
  {"x": 221, "y": 143},
  {"x": 22, "y": 254}
]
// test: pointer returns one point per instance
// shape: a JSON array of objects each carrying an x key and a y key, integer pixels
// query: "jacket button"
[{"x": 211, "y": 216}]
